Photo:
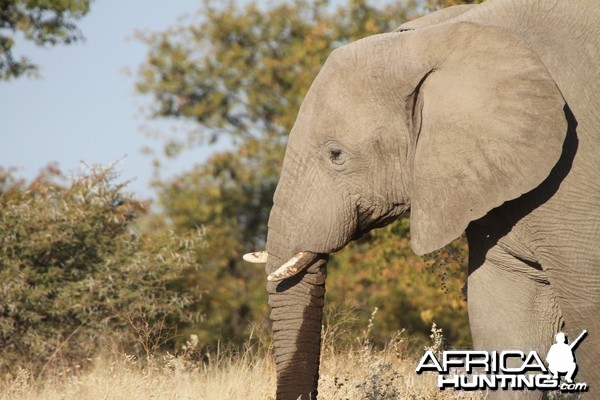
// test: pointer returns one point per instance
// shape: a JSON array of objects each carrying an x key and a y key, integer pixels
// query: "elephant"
[{"x": 481, "y": 119}]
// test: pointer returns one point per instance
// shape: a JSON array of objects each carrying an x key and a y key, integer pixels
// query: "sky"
[{"x": 84, "y": 108}]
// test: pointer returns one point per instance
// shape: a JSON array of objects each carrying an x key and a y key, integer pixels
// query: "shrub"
[{"x": 75, "y": 275}]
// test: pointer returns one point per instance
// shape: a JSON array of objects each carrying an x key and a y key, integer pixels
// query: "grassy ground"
[
  {"x": 360, "y": 372},
  {"x": 359, "y": 375}
]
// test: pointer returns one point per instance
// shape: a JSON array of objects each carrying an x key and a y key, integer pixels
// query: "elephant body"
[{"x": 478, "y": 118}]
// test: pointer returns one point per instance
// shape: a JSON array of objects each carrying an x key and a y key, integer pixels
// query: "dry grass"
[
  {"x": 355, "y": 375},
  {"x": 170, "y": 378},
  {"x": 360, "y": 372}
]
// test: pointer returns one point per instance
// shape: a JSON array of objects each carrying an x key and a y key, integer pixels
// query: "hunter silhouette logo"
[
  {"x": 506, "y": 370},
  {"x": 560, "y": 357}
]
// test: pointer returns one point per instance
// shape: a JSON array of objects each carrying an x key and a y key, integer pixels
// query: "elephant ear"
[{"x": 490, "y": 125}]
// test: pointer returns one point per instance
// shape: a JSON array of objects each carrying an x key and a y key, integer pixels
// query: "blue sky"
[{"x": 85, "y": 107}]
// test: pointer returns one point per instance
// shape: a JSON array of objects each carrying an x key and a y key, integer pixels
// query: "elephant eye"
[{"x": 335, "y": 155}]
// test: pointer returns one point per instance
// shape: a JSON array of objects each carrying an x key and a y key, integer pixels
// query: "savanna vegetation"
[
  {"x": 75, "y": 277},
  {"x": 359, "y": 372},
  {"x": 87, "y": 270},
  {"x": 43, "y": 22}
]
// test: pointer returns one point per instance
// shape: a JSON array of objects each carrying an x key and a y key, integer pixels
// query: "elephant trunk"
[{"x": 296, "y": 316}]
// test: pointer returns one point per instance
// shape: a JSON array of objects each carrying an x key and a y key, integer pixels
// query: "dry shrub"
[
  {"x": 361, "y": 371},
  {"x": 72, "y": 265}
]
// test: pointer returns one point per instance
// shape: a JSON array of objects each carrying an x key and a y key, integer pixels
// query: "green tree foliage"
[
  {"x": 410, "y": 292},
  {"x": 230, "y": 196},
  {"x": 45, "y": 22},
  {"x": 75, "y": 276},
  {"x": 241, "y": 73}
]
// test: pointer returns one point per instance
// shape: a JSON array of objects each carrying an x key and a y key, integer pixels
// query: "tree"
[
  {"x": 74, "y": 275},
  {"x": 45, "y": 22},
  {"x": 242, "y": 74},
  {"x": 229, "y": 195}
]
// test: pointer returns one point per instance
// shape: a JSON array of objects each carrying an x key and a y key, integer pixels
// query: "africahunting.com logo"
[{"x": 506, "y": 370}]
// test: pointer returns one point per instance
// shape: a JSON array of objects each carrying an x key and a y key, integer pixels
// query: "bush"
[{"x": 74, "y": 275}]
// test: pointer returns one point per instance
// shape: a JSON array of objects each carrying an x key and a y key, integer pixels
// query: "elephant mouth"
[{"x": 292, "y": 267}]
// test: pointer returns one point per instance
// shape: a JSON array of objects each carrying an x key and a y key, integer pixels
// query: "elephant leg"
[
  {"x": 511, "y": 306},
  {"x": 576, "y": 283}
]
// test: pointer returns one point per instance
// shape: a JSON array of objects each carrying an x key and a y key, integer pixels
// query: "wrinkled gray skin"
[{"x": 480, "y": 118}]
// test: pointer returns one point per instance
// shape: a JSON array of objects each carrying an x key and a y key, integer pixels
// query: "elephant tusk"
[
  {"x": 296, "y": 264},
  {"x": 256, "y": 257}
]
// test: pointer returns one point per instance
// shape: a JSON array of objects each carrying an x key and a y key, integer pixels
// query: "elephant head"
[{"x": 449, "y": 121}]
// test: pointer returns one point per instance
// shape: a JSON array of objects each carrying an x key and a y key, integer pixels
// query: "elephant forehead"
[{"x": 337, "y": 114}]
